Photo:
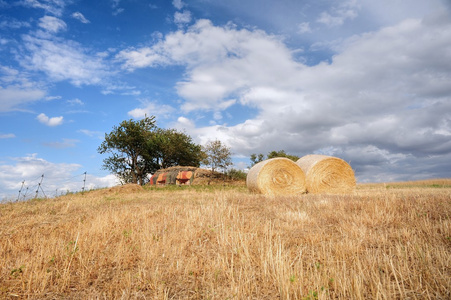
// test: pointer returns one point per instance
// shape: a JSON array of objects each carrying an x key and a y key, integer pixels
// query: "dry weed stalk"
[{"x": 374, "y": 244}]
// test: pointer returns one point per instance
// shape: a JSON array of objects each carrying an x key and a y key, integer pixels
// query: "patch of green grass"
[{"x": 197, "y": 188}]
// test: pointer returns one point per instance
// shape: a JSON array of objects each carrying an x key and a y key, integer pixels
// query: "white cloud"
[
  {"x": 220, "y": 61},
  {"x": 50, "y": 98},
  {"x": 7, "y": 135},
  {"x": 383, "y": 89},
  {"x": 75, "y": 101},
  {"x": 62, "y": 60},
  {"x": 66, "y": 143},
  {"x": 150, "y": 108},
  {"x": 116, "y": 9},
  {"x": 52, "y": 24},
  {"x": 14, "y": 24},
  {"x": 304, "y": 27},
  {"x": 16, "y": 99},
  {"x": 80, "y": 17},
  {"x": 16, "y": 90},
  {"x": 55, "y": 7},
  {"x": 92, "y": 133},
  {"x": 54, "y": 121},
  {"x": 181, "y": 18},
  {"x": 178, "y": 4},
  {"x": 339, "y": 14},
  {"x": 57, "y": 177},
  {"x": 184, "y": 123}
]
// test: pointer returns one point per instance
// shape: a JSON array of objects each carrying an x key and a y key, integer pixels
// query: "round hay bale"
[
  {"x": 276, "y": 176},
  {"x": 327, "y": 174}
]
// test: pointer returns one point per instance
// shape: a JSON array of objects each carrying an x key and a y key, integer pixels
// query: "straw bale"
[
  {"x": 276, "y": 176},
  {"x": 327, "y": 174}
]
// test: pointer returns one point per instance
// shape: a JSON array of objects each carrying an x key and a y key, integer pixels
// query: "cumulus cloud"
[
  {"x": 151, "y": 108},
  {"x": 383, "y": 93},
  {"x": 220, "y": 61},
  {"x": 54, "y": 121},
  {"x": 80, "y": 17},
  {"x": 181, "y": 18},
  {"x": 178, "y": 4}
]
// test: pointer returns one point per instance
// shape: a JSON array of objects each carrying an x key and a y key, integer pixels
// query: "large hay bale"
[
  {"x": 276, "y": 176},
  {"x": 327, "y": 174}
]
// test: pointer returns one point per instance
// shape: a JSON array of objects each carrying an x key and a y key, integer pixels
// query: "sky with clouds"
[{"x": 366, "y": 81}]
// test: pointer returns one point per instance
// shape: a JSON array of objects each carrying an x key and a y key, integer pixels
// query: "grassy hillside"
[{"x": 389, "y": 241}]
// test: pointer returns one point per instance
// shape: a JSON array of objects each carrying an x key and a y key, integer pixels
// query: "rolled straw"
[
  {"x": 327, "y": 174},
  {"x": 276, "y": 176}
]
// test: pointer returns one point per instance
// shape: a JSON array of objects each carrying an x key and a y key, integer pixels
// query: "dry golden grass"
[{"x": 224, "y": 243}]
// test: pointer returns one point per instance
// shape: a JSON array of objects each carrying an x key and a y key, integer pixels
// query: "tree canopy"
[
  {"x": 217, "y": 155},
  {"x": 256, "y": 158},
  {"x": 175, "y": 148},
  {"x": 138, "y": 148}
]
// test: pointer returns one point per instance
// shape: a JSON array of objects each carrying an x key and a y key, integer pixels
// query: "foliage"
[
  {"x": 282, "y": 153},
  {"x": 217, "y": 155},
  {"x": 235, "y": 174},
  {"x": 138, "y": 148},
  {"x": 132, "y": 157},
  {"x": 175, "y": 148},
  {"x": 256, "y": 158}
]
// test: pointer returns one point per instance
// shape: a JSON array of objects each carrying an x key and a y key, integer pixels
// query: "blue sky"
[{"x": 367, "y": 81}]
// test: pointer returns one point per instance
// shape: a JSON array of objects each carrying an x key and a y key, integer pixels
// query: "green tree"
[
  {"x": 256, "y": 158},
  {"x": 236, "y": 174},
  {"x": 132, "y": 157},
  {"x": 174, "y": 148},
  {"x": 217, "y": 155},
  {"x": 281, "y": 153}
]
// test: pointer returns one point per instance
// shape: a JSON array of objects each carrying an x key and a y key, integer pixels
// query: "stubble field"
[{"x": 385, "y": 241}]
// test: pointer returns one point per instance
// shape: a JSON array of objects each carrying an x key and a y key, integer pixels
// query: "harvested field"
[{"x": 221, "y": 242}]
